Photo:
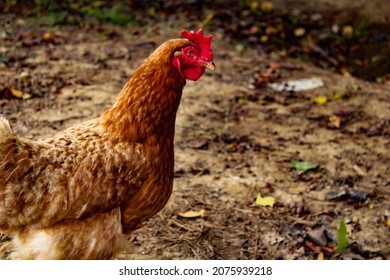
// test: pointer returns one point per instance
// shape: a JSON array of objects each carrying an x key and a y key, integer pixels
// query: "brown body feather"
[{"x": 72, "y": 196}]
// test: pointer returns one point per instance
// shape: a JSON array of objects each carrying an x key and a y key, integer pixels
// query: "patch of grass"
[
  {"x": 62, "y": 12},
  {"x": 117, "y": 13},
  {"x": 54, "y": 18}
]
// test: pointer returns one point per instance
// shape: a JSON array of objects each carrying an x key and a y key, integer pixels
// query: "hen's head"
[{"x": 191, "y": 61}]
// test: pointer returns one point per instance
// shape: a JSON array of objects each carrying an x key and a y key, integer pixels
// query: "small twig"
[
  {"x": 160, "y": 214},
  {"x": 180, "y": 225},
  {"x": 302, "y": 221},
  {"x": 275, "y": 249},
  {"x": 190, "y": 245},
  {"x": 243, "y": 210},
  {"x": 210, "y": 225},
  {"x": 204, "y": 22}
]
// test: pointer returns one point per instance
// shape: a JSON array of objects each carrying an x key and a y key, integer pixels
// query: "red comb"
[{"x": 204, "y": 43}]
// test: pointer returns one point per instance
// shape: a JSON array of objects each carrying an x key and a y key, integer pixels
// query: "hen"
[{"x": 75, "y": 195}]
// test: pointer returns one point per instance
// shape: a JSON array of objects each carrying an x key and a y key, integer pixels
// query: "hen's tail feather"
[
  {"x": 6, "y": 247},
  {"x": 8, "y": 142},
  {"x": 5, "y": 128}
]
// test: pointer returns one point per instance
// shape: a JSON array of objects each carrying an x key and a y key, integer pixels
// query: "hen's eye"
[{"x": 190, "y": 53}]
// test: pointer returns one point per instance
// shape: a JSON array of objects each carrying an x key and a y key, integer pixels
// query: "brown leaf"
[
  {"x": 327, "y": 249},
  {"x": 311, "y": 246},
  {"x": 275, "y": 65},
  {"x": 48, "y": 37},
  {"x": 335, "y": 121},
  {"x": 317, "y": 236},
  {"x": 18, "y": 94}
]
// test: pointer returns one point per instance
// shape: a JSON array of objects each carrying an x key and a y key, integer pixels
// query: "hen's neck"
[{"x": 145, "y": 109}]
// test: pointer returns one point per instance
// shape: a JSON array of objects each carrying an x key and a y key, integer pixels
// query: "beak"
[{"x": 209, "y": 65}]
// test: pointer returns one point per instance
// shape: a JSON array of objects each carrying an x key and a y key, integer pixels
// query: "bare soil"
[{"x": 233, "y": 142}]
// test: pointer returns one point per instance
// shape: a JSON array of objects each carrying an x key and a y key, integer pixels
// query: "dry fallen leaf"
[
  {"x": 27, "y": 96},
  {"x": 321, "y": 100},
  {"x": 320, "y": 256},
  {"x": 299, "y": 32},
  {"x": 269, "y": 30},
  {"x": 339, "y": 94},
  {"x": 274, "y": 65},
  {"x": 18, "y": 94},
  {"x": 264, "y": 38},
  {"x": 48, "y": 37},
  {"x": 335, "y": 121},
  {"x": 347, "y": 31},
  {"x": 266, "y": 6},
  {"x": 265, "y": 201},
  {"x": 318, "y": 236},
  {"x": 345, "y": 72},
  {"x": 359, "y": 170},
  {"x": 192, "y": 214}
]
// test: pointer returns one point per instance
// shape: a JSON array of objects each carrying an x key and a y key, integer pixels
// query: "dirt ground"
[{"x": 233, "y": 142}]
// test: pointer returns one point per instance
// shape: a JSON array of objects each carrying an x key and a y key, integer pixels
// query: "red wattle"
[{"x": 193, "y": 73}]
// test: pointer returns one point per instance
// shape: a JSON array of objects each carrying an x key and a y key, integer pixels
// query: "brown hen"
[{"x": 75, "y": 195}]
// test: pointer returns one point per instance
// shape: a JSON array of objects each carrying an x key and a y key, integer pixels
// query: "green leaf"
[
  {"x": 239, "y": 48},
  {"x": 303, "y": 165},
  {"x": 342, "y": 237}
]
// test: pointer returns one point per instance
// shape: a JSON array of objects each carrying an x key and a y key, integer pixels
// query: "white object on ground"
[{"x": 297, "y": 85}]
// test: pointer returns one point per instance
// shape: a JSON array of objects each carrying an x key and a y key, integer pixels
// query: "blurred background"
[{"x": 345, "y": 35}]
